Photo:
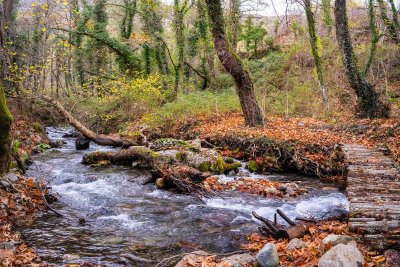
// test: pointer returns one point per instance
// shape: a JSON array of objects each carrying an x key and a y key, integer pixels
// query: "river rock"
[
  {"x": 192, "y": 258},
  {"x": 70, "y": 257},
  {"x": 82, "y": 143},
  {"x": 333, "y": 240},
  {"x": 239, "y": 260},
  {"x": 7, "y": 245},
  {"x": 392, "y": 258},
  {"x": 12, "y": 177},
  {"x": 56, "y": 143},
  {"x": 342, "y": 256},
  {"x": 296, "y": 243},
  {"x": 268, "y": 256}
]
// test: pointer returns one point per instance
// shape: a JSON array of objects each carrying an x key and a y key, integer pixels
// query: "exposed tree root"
[{"x": 269, "y": 155}]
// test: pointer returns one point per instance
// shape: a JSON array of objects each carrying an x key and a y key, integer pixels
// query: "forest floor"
[
  {"x": 381, "y": 134},
  {"x": 21, "y": 204}
]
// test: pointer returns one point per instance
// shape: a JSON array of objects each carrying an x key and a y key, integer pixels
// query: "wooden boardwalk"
[{"x": 373, "y": 189}]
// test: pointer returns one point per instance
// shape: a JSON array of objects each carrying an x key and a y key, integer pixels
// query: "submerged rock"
[
  {"x": 82, "y": 143},
  {"x": 268, "y": 256},
  {"x": 342, "y": 256}
]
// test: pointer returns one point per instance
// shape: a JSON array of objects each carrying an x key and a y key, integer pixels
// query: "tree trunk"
[
  {"x": 102, "y": 140},
  {"x": 234, "y": 22},
  {"x": 232, "y": 63},
  {"x": 5, "y": 134},
  {"x": 314, "y": 49},
  {"x": 390, "y": 25},
  {"x": 369, "y": 104}
]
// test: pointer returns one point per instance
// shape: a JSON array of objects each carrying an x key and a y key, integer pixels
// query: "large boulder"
[
  {"x": 82, "y": 143},
  {"x": 239, "y": 260},
  {"x": 268, "y": 256},
  {"x": 342, "y": 256},
  {"x": 333, "y": 240}
]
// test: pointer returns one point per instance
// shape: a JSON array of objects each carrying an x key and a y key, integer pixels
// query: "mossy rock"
[
  {"x": 38, "y": 127},
  {"x": 218, "y": 166},
  {"x": 229, "y": 160},
  {"x": 232, "y": 166},
  {"x": 181, "y": 156},
  {"x": 102, "y": 163},
  {"x": 205, "y": 166},
  {"x": 169, "y": 143},
  {"x": 253, "y": 166}
]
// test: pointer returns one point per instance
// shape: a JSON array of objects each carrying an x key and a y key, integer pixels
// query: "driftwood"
[
  {"x": 294, "y": 230},
  {"x": 103, "y": 140}
]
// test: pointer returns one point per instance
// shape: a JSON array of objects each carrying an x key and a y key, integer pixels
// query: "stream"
[{"x": 130, "y": 224}]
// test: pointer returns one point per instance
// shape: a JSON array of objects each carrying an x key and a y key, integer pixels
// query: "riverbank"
[{"x": 227, "y": 141}]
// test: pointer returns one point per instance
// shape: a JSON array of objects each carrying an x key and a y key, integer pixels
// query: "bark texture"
[
  {"x": 99, "y": 139},
  {"x": 232, "y": 63},
  {"x": 5, "y": 134},
  {"x": 369, "y": 104}
]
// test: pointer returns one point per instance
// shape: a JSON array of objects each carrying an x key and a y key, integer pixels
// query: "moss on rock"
[
  {"x": 205, "y": 166},
  {"x": 253, "y": 166}
]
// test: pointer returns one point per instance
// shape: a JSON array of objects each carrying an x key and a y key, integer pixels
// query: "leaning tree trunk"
[
  {"x": 5, "y": 134},
  {"x": 369, "y": 104},
  {"x": 231, "y": 62},
  {"x": 103, "y": 140}
]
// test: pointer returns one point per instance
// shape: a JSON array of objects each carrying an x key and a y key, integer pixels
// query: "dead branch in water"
[{"x": 294, "y": 230}]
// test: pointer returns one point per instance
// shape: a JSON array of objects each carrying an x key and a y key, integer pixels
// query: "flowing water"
[{"x": 130, "y": 224}]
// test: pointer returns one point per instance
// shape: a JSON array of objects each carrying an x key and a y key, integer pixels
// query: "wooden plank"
[{"x": 373, "y": 189}]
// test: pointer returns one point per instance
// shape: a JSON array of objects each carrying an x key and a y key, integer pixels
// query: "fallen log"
[
  {"x": 277, "y": 231},
  {"x": 166, "y": 174},
  {"x": 103, "y": 140},
  {"x": 147, "y": 157}
]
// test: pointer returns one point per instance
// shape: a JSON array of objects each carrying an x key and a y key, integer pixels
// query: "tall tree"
[
  {"x": 374, "y": 36},
  {"x": 5, "y": 134},
  {"x": 326, "y": 15},
  {"x": 181, "y": 7},
  {"x": 6, "y": 19},
  {"x": 234, "y": 17},
  {"x": 369, "y": 104},
  {"x": 390, "y": 25},
  {"x": 232, "y": 64},
  {"x": 314, "y": 41},
  {"x": 395, "y": 17}
]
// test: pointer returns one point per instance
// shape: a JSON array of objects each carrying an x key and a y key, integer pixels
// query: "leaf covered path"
[{"x": 373, "y": 188}]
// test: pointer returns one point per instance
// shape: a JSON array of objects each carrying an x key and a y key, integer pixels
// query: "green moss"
[
  {"x": 232, "y": 166},
  {"x": 205, "y": 166},
  {"x": 229, "y": 160},
  {"x": 44, "y": 146},
  {"x": 218, "y": 166},
  {"x": 180, "y": 156},
  {"x": 102, "y": 163},
  {"x": 253, "y": 166},
  {"x": 38, "y": 127},
  {"x": 13, "y": 165}
]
